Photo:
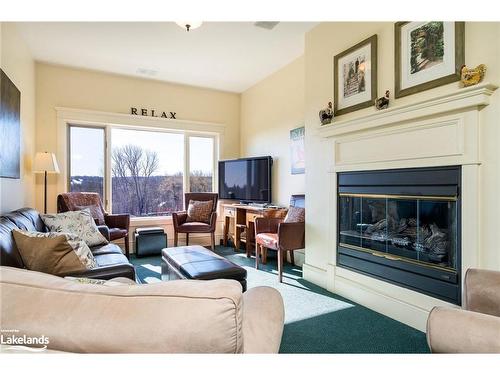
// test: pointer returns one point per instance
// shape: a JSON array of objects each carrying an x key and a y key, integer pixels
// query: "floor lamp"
[{"x": 45, "y": 162}]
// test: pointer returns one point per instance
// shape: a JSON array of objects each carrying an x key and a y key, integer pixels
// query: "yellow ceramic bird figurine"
[{"x": 470, "y": 77}]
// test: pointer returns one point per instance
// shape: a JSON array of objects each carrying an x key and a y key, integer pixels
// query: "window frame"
[
  {"x": 108, "y": 203},
  {"x": 215, "y": 161},
  {"x": 105, "y": 186}
]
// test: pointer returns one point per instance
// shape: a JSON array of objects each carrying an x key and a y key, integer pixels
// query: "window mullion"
[
  {"x": 107, "y": 170},
  {"x": 187, "y": 187}
]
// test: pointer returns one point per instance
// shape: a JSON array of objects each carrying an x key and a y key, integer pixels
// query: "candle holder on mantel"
[{"x": 326, "y": 115}]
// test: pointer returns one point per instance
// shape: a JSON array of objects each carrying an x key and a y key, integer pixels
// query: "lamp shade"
[{"x": 45, "y": 162}]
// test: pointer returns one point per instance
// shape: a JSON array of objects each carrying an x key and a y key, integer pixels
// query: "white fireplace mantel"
[
  {"x": 475, "y": 96},
  {"x": 444, "y": 130}
]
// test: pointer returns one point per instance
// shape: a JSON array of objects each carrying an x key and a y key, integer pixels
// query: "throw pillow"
[
  {"x": 80, "y": 223},
  {"x": 95, "y": 211},
  {"x": 295, "y": 215},
  {"x": 199, "y": 211},
  {"x": 55, "y": 253}
]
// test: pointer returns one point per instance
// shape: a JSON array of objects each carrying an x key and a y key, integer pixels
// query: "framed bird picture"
[
  {"x": 427, "y": 55},
  {"x": 355, "y": 77}
]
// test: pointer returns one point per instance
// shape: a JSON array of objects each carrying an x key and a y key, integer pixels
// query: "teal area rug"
[{"x": 316, "y": 321}]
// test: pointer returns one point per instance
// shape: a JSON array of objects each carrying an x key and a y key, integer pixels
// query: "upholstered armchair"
[
  {"x": 476, "y": 327},
  {"x": 283, "y": 235},
  {"x": 112, "y": 226},
  {"x": 183, "y": 225}
]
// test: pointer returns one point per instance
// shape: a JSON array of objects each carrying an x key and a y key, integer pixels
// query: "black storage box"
[{"x": 149, "y": 241}]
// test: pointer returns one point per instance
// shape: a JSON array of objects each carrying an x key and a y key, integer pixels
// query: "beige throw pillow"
[
  {"x": 295, "y": 215},
  {"x": 199, "y": 211},
  {"x": 55, "y": 253},
  {"x": 81, "y": 223},
  {"x": 95, "y": 212}
]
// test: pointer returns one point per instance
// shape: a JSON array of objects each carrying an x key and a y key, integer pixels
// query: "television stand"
[{"x": 239, "y": 223}]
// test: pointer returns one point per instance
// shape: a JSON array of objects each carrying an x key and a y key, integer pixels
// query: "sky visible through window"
[
  {"x": 87, "y": 150},
  {"x": 168, "y": 146},
  {"x": 201, "y": 154}
]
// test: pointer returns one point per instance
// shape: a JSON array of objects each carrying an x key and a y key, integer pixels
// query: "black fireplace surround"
[{"x": 403, "y": 226}]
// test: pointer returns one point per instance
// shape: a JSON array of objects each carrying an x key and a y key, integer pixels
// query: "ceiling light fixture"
[{"x": 189, "y": 25}]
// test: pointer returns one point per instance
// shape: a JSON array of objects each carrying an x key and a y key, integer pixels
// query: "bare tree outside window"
[
  {"x": 137, "y": 189},
  {"x": 146, "y": 168}
]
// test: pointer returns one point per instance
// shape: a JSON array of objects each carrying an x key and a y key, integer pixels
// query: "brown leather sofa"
[
  {"x": 110, "y": 259},
  {"x": 476, "y": 327},
  {"x": 112, "y": 226},
  {"x": 181, "y": 226}
]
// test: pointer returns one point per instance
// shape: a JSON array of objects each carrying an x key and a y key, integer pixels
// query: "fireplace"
[{"x": 403, "y": 226}]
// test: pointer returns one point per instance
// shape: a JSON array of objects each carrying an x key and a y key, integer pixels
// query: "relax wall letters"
[{"x": 152, "y": 113}]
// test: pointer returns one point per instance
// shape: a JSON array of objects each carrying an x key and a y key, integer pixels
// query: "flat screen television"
[{"x": 247, "y": 180}]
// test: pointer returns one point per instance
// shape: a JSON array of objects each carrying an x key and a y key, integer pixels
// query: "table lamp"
[{"x": 45, "y": 162}]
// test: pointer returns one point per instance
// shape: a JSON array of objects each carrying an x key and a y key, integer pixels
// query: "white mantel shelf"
[{"x": 461, "y": 99}]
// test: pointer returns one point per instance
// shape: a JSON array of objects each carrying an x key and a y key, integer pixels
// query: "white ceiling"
[{"x": 229, "y": 56}]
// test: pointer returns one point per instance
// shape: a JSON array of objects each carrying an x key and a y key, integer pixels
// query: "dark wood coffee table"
[{"x": 198, "y": 263}]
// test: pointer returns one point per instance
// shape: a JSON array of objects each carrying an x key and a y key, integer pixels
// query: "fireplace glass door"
[{"x": 408, "y": 228}]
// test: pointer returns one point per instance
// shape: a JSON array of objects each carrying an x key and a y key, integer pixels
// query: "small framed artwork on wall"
[
  {"x": 298, "y": 164},
  {"x": 427, "y": 55},
  {"x": 355, "y": 77}
]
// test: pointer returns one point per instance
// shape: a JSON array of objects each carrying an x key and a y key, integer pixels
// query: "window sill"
[{"x": 152, "y": 220}]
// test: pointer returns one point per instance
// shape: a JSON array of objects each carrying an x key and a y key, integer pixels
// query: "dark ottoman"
[
  {"x": 197, "y": 263},
  {"x": 149, "y": 241}
]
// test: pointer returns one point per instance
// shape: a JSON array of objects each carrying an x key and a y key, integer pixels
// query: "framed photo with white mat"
[
  {"x": 355, "y": 77},
  {"x": 427, "y": 55}
]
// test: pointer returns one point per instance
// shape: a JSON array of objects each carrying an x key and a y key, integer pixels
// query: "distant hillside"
[{"x": 144, "y": 196}]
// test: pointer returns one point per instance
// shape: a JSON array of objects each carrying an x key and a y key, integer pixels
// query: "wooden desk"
[{"x": 241, "y": 218}]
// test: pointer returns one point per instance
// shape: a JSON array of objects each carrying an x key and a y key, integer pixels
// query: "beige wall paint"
[
  {"x": 269, "y": 110},
  {"x": 328, "y": 39},
  {"x": 75, "y": 88},
  {"x": 17, "y": 63}
]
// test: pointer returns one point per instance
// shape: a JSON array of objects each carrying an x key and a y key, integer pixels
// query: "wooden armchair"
[
  {"x": 181, "y": 225},
  {"x": 112, "y": 226},
  {"x": 282, "y": 235}
]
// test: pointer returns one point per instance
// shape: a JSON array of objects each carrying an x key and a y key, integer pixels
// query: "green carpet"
[{"x": 316, "y": 321}]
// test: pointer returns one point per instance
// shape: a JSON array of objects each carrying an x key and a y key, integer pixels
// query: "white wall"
[
  {"x": 269, "y": 110},
  {"x": 17, "y": 63}
]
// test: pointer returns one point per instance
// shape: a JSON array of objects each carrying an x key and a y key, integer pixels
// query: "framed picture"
[
  {"x": 298, "y": 163},
  {"x": 355, "y": 77},
  {"x": 427, "y": 55},
  {"x": 10, "y": 141}
]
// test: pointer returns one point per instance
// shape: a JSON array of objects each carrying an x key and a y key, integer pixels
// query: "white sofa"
[{"x": 170, "y": 317}]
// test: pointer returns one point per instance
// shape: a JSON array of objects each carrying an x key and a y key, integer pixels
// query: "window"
[
  {"x": 86, "y": 162},
  {"x": 148, "y": 170},
  {"x": 201, "y": 164}
]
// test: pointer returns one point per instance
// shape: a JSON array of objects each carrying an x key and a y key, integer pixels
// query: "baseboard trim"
[
  {"x": 314, "y": 275},
  {"x": 401, "y": 304},
  {"x": 401, "y": 311}
]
